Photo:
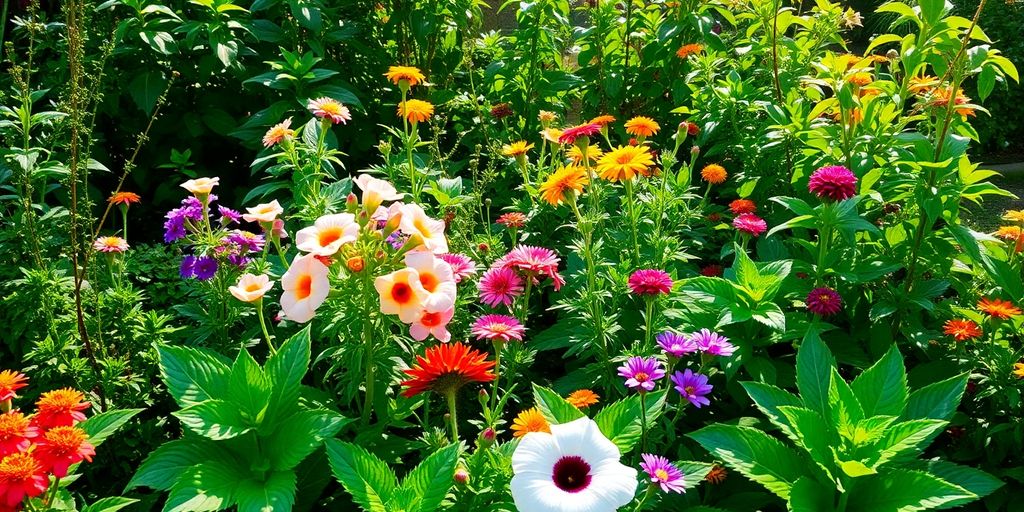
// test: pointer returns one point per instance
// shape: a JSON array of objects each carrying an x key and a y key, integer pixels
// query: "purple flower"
[
  {"x": 676, "y": 345},
  {"x": 693, "y": 386},
  {"x": 713, "y": 343},
  {"x": 641, "y": 372},
  {"x": 663, "y": 473},
  {"x": 833, "y": 182},
  {"x": 650, "y": 282},
  {"x": 188, "y": 267},
  {"x": 238, "y": 260},
  {"x": 227, "y": 216},
  {"x": 205, "y": 268},
  {"x": 246, "y": 241},
  {"x": 824, "y": 302},
  {"x": 174, "y": 229},
  {"x": 397, "y": 239}
]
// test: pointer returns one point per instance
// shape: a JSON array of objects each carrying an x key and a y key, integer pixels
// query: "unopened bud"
[
  {"x": 694, "y": 151},
  {"x": 483, "y": 247},
  {"x": 461, "y": 476},
  {"x": 355, "y": 264},
  {"x": 351, "y": 203},
  {"x": 892, "y": 54}
]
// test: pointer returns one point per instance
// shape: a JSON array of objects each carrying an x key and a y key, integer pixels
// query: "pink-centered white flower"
[
  {"x": 328, "y": 234},
  {"x": 201, "y": 186},
  {"x": 375, "y": 191},
  {"x": 575, "y": 468},
  {"x": 110, "y": 244},
  {"x": 251, "y": 288},
  {"x": 432, "y": 324},
  {"x": 401, "y": 294},
  {"x": 437, "y": 280},
  {"x": 263, "y": 213},
  {"x": 305, "y": 287},
  {"x": 429, "y": 232}
]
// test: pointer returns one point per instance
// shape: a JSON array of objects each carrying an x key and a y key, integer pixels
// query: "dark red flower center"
[{"x": 571, "y": 474}]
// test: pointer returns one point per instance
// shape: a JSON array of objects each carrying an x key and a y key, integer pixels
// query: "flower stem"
[
  {"x": 649, "y": 326},
  {"x": 643, "y": 422},
  {"x": 632, "y": 218},
  {"x": 453, "y": 420},
  {"x": 263, "y": 325},
  {"x": 498, "y": 346},
  {"x": 368, "y": 348}
]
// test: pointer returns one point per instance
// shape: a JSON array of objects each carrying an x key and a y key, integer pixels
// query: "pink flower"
[
  {"x": 498, "y": 327},
  {"x": 750, "y": 224},
  {"x": 569, "y": 135},
  {"x": 534, "y": 262},
  {"x": 432, "y": 324},
  {"x": 641, "y": 372},
  {"x": 462, "y": 266},
  {"x": 663, "y": 473},
  {"x": 328, "y": 108},
  {"x": 833, "y": 182},
  {"x": 650, "y": 281},
  {"x": 110, "y": 244},
  {"x": 499, "y": 286},
  {"x": 824, "y": 301}
]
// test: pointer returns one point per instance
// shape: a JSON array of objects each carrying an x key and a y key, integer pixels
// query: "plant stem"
[
  {"x": 630, "y": 200},
  {"x": 498, "y": 346},
  {"x": 649, "y": 325},
  {"x": 368, "y": 347},
  {"x": 263, "y": 326},
  {"x": 453, "y": 419},
  {"x": 643, "y": 422}
]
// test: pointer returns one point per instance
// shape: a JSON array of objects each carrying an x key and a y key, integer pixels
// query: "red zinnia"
[
  {"x": 741, "y": 206},
  {"x": 650, "y": 282},
  {"x": 60, "y": 408},
  {"x": 569, "y": 135},
  {"x": 16, "y": 433},
  {"x": 447, "y": 367},
  {"x": 125, "y": 198},
  {"x": 21, "y": 475},
  {"x": 998, "y": 308},
  {"x": 824, "y": 301},
  {"x": 833, "y": 182},
  {"x": 512, "y": 219},
  {"x": 961, "y": 329},
  {"x": 60, "y": 447},
  {"x": 534, "y": 262},
  {"x": 11, "y": 381}
]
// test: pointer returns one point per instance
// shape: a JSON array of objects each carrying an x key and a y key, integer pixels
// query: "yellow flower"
[
  {"x": 1014, "y": 215},
  {"x": 714, "y": 173},
  {"x": 922, "y": 84},
  {"x": 251, "y": 288},
  {"x": 582, "y": 398},
  {"x": 551, "y": 134},
  {"x": 576, "y": 155},
  {"x": 200, "y": 186},
  {"x": 567, "y": 180},
  {"x": 1018, "y": 370},
  {"x": 528, "y": 421},
  {"x": 642, "y": 126},
  {"x": 416, "y": 111},
  {"x": 410, "y": 74},
  {"x": 278, "y": 132},
  {"x": 517, "y": 148},
  {"x": 624, "y": 162}
]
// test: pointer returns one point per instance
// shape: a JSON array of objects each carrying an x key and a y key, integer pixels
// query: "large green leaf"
[
  {"x": 164, "y": 465},
  {"x": 214, "y": 419},
  {"x": 275, "y": 493},
  {"x": 844, "y": 408},
  {"x": 620, "y": 421},
  {"x": 300, "y": 435},
  {"x": 104, "y": 424},
  {"x": 112, "y": 504},
  {"x": 367, "y": 478},
  {"x": 814, "y": 365},
  {"x": 248, "y": 388},
  {"x": 693, "y": 472},
  {"x": 976, "y": 481},
  {"x": 810, "y": 432},
  {"x": 193, "y": 375},
  {"x": 907, "y": 439},
  {"x": 432, "y": 478},
  {"x": 904, "y": 491},
  {"x": 810, "y": 496},
  {"x": 936, "y": 401},
  {"x": 285, "y": 369},
  {"x": 882, "y": 389},
  {"x": 769, "y": 398},
  {"x": 753, "y": 454},
  {"x": 553, "y": 406},
  {"x": 207, "y": 486}
]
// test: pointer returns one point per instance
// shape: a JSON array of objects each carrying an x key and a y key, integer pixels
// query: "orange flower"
[
  {"x": 741, "y": 206},
  {"x": 11, "y": 381},
  {"x": 689, "y": 49},
  {"x": 860, "y": 79},
  {"x": 447, "y": 367},
  {"x": 582, "y": 398},
  {"x": 530, "y": 420},
  {"x": 551, "y": 135},
  {"x": 16, "y": 433},
  {"x": 961, "y": 329},
  {"x": 547, "y": 117},
  {"x": 278, "y": 132},
  {"x": 716, "y": 475},
  {"x": 410, "y": 74},
  {"x": 1018, "y": 370},
  {"x": 998, "y": 308},
  {"x": 642, "y": 126},
  {"x": 922, "y": 84},
  {"x": 1014, "y": 216},
  {"x": 60, "y": 408},
  {"x": 416, "y": 111},
  {"x": 517, "y": 148},
  {"x": 1012, "y": 234},
  {"x": 714, "y": 174},
  {"x": 567, "y": 180},
  {"x": 575, "y": 154},
  {"x": 942, "y": 96},
  {"x": 60, "y": 447},
  {"x": 21, "y": 476},
  {"x": 602, "y": 120},
  {"x": 125, "y": 198},
  {"x": 624, "y": 162}
]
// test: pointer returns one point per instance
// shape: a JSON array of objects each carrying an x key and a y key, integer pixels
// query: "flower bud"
[
  {"x": 355, "y": 264},
  {"x": 461, "y": 476},
  {"x": 483, "y": 247},
  {"x": 892, "y": 54},
  {"x": 351, "y": 203},
  {"x": 694, "y": 151}
]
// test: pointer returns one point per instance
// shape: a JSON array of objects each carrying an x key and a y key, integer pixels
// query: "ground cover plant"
[{"x": 708, "y": 256}]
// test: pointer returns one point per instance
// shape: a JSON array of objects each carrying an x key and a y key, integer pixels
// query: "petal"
[{"x": 536, "y": 454}]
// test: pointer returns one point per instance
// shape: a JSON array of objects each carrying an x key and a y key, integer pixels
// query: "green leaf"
[
  {"x": 694, "y": 472},
  {"x": 973, "y": 480},
  {"x": 432, "y": 478},
  {"x": 300, "y": 435},
  {"x": 553, "y": 406},
  {"x": 146, "y": 88},
  {"x": 617, "y": 421},
  {"x": 769, "y": 398},
  {"x": 810, "y": 432},
  {"x": 112, "y": 504},
  {"x": 368, "y": 479},
  {"x": 905, "y": 491},
  {"x": 882, "y": 389},
  {"x": 285, "y": 369},
  {"x": 753, "y": 454},
  {"x": 205, "y": 487},
  {"x": 814, "y": 365},
  {"x": 104, "y": 424},
  {"x": 810, "y": 496},
  {"x": 936, "y": 401},
  {"x": 855, "y": 468},
  {"x": 844, "y": 407},
  {"x": 214, "y": 419},
  {"x": 907, "y": 439},
  {"x": 163, "y": 466},
  {"x": 193, "y": 375},
  {"x": 276, "y": 493},
  {"x": 248, "y": 388}
]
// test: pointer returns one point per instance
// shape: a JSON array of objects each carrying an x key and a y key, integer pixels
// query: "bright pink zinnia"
[
  {"x": 499, "y": 286},
  {"x": 498, "y": 327},
  {"x": 834, "y": 182},
  {"x": 650, "y": 281},
  {"x": 569, "y": 135},
  {"x": 462, "y": 266},
  {"x": 750, "y": 224},
  {"x": 824, "y": 301},
  {"x": 535, "y": 262}
]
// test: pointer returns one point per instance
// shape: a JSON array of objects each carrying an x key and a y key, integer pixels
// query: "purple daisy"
[
  {"x": 396, "y": 239},
  {"x": 693, "y": 386},
  {"x": 833, "y": 182},
  {"x": 663, "y": 473},
  {"x": 246, "y": 241},
  {"x": 641, "y": 372},
  {"x": 676, "y": 345},
  {"x": 824, "y": 301},
  {"x": 713, "y": 343},
  {"x": 228, "y": 216},
  {"x": 205, "y": 267},
  {"x": 650, "y": 282},
  {"x": 188, "y": 267}
]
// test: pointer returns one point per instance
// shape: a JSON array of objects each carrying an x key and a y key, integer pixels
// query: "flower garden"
[{"x": 641, "y": 255}]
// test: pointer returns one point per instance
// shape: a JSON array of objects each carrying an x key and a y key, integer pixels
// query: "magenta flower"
[
  {"x": 676, "y": 345},
  {"x": 205, "y": 268},
  {"x": 650, "y": 281},
  {"x": 712, "y": 343},
  {"x": 641, "y": 372},
  {"x": 535, "y": 262},
  {"x": 824, "y": 301},
  {"x": 833, "y": 182},
  {"x": 227, "y": 215},
  {"x": 462, "y": 265},
  {"x": 663, "y": 473},
  {"x": 246, "y": 241},
  {"x": 750, "y": 224},
  {"x": 500, "y": 286},
  {"x": 498, "y": 328},
  {"x": 110, "y": 244},
  {"x": 693, "y": 386},
  {"x": 569, "y": 135}
]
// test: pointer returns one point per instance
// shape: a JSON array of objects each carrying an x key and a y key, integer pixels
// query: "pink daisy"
[
  {"x": 569, "y": 135},
  {"x": 534, "y": 262},
  {"x": 498, "y": 328},
  {"x": 499, "y": 286},
  {"x": 663, "y": 473},
  {"x": 329, "y": 108},
  {"x": 824, "y": 301},
  {"x": 462, "y": 265},
  {"x": 750, "y": 224},
  {"x": 833, "y": 182},
  {"x": 110, "y": 244},
  {"x": 650, "y": 281}
]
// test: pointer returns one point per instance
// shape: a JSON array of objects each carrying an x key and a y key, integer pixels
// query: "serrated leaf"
[
  {"x": 274, "y": 494},
  {"x": 285, "y": 369},
  {"x": 432, "y": 478},
  {"x": 248, "y": 387},
  {"x": 810, "y": 432},
  {"x": 905, "y": 491},
  {"x": 753, "y": 454},
  {"x": 936, "y": 401},
  {"x": 112, "y": 504},
  {"x": 300, "y": 435},
  {"x": 814, "y": 365},
  {"x": 367, "y": 478},
  {"x": 808, "y": 495},
  {"x": 855, "y": 468},
  {"x": 193, "y": 375},
  {"x": 907, "y": 439},
  {"x": 205, "y": 487},
  {"x": 973, "y": 480},
  {"x": 553, "y": 406},
  {"x": 769, "y": 398},
  {"x": 882, "y": 389},
  {"x": 164, "y": 465},
  {"x": 104, "y": 424},
  {"x": 214, "y": 419}
]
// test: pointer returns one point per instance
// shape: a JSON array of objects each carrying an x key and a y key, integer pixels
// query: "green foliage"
[{"x": 374, "y": 486}]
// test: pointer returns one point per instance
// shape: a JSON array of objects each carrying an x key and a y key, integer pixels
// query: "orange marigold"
[
  {"x": 415, "y": 111},
  {"x": 568, "y": 180},
  {"x": 582, "y": 398},
  {"x": 642, "y": 126},
  {"x": 998, "y": 308},
  {"x": 530, "y": 420},
  {"x": 1014, "y": 216},
  {"x": 575, "y": 154},
  {"x": 603, "y": 120},
  {"x": 961, "y": 329},
  {"x": 686, "y": 50},
  {"x": 1018, "y": 370},
  {"x": 60, "y": 408},
  {"x": 624, "y": 162},
  {"x": 125, "y": 198},
  {"x": 1012, "y": 234},
  {"x": 860, "y": 79},
  {"x": 411, "y": 74},
  {"x": 11, "y": 381},
  {"x": 740, "y": 206},
  {"x": 714, "y": 174}
]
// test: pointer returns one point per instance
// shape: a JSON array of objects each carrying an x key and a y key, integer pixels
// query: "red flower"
[
  {"x": 570, "y": 135},
  {"x": 60, "y": 447},
  {"x": 961, "y": 329},
  {"x": 21, "y": 475},
  {"x": 447, "y": 367},
  {"x": 650, "y": 282},
  {"x": 11, "y": 381},
  {"x": 60, "y": 408},
  {"x": 998, "y": 308},
  {"x": 534, "y": 263},
  {"x": 824, "y": 301},
  {"x": 712, "y": 270},
  {"x": 741, "y": 206},
  {"x": 512, "y": 219},
  {"x": 16, "y": 433}
]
